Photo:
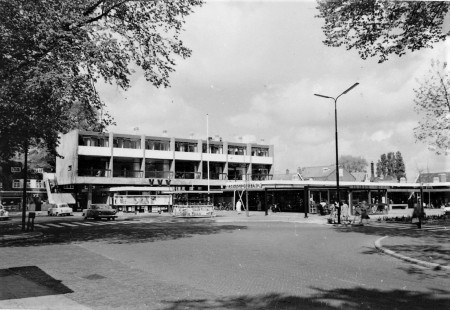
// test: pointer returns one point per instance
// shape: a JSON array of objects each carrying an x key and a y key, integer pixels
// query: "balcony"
[
  {"x": 261, "y": 177},
  {"x": 159, "y": 174},
  {"x": 252, "y": 177},
  {"x": 91, "y": 172},
  {"x": 215, "y": 176},
  {"x": 128, "y": 173},
  {"x": 188, "y": 175}
]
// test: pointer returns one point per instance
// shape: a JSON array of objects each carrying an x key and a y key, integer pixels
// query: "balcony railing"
[
  {"x": 91, "y": 172},
  {"x": 215, "y": 176},
  {"x": 158, "y": 174},
  {"x": 188, "y": 175},
  {"x": 261, "y": 177},
  {"x": 128, "y": 173},
  {"x": 252, "y": 177}
]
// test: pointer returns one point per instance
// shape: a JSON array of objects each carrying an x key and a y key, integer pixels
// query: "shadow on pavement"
[
  {"x": 357, "y": 298},
  {"x": 385, "y": 231},
  {"x": 28, "y": 281},
  {"x": 139, "y": 232},
  {"x": 424, "y": 245}
]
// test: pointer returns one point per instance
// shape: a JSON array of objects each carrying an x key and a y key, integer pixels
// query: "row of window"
[
  {"x": 189, "y": 147},
  {"x": 36, "y": 184},
  {"x": 19, "y": 169}
]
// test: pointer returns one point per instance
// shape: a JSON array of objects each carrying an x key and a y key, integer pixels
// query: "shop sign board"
[
  {"x": 193, "y": 211},
  {"x": 246, "y": 185},
  {"x": 142, "y": 200}
]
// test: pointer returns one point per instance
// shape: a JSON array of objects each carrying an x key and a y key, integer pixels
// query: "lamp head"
[{"x": 353, "y": 86}]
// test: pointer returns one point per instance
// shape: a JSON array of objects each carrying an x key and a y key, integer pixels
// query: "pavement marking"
[
  {"x": 83, "y": 224},
  {"x": 68, "y": 224},
  {"x": 97, "y": 223},
  {"x": 54, "y": 225},
  {"x": 40, "y": 225}
]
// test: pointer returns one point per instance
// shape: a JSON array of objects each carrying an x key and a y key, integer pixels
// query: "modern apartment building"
[{"x": 93, "y": 160}]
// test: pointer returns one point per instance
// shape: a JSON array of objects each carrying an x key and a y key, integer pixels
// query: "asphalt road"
[{"x": 164, "y": 263}]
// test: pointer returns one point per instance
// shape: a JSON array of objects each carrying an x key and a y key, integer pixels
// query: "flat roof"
[{"x": 135, "y": 189}]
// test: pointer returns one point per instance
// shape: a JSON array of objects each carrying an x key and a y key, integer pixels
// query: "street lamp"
[{"x": 336, "y": 137}]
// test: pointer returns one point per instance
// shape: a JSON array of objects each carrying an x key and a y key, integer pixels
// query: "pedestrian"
[
  {"x": 238, "y": 206},
  {"x": 364, "y": 215},
  {"x": 345, "y": 211}
]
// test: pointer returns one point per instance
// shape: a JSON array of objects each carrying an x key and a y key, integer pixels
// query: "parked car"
[
  {"x": 100, "y": 211},
  {"x": 3, "y": 213},
  {"x": 447, "y": 209},
  {"x": 60, "y": 209}
]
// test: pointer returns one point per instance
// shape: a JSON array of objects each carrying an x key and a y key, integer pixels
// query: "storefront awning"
[{"x": 61, "y": 198}]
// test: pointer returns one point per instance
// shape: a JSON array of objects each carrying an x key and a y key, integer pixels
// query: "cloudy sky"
[{"x": 255, "y": 68}]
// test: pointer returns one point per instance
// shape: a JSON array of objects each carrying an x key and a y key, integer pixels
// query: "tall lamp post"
[{"x": 336, "y": 137}]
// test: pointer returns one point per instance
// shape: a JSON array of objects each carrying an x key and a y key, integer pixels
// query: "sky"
[{"x": 254, "y": 70}]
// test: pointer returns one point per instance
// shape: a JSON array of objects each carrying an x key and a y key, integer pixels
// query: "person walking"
[
  {"x": 238, "y": 206},
  {"x": 345, "y": 211}
]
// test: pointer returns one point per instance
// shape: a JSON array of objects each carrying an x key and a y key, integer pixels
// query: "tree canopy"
[
  {"x": 53, "y": 52},
  {"x": 391, "y": 164},
  {"x": 379, "y": 28},
  {"x": 353, "y": 163},
  {"x": 432, "y": 99}
]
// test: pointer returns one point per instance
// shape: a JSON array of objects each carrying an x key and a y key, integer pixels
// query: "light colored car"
[
  {"x": 100, "y": 211},
  {"x": 447, "y": 209},
  {"x": 3, "y": 213},
  {"x": 60, "y": 209}
]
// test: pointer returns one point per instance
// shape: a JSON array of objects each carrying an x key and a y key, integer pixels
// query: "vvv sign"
[{"x": 160, "y": 182}]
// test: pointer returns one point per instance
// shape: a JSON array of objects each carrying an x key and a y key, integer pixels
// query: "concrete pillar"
[
  {"x": 225, "y": 151},
  {"x": 249, "y": 168},
  {"x": 172, "y": 149},
  {"x": 350, "y": 201},
  {"x": 89, "y": 197},
  {"x": 272, "y": 154},
  {"x": 143, "y": 155},
  {"x": 111, "y": 159}
]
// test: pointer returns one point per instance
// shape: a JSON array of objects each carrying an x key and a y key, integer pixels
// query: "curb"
[{"x": 434, "y": 266}]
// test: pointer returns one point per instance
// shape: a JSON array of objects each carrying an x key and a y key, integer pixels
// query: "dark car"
[{"x": 100, "y": 211}]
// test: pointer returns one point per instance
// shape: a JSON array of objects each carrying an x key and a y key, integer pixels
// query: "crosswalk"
[
  {"x": 82, "y": 224},
  {"x": 408, "y": 226}
]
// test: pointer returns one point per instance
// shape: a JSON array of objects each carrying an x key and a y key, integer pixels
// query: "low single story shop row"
[{"x": 305, "y": 196}]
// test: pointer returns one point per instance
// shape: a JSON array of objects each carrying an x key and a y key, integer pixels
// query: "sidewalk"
[
  {"x": 427, "y": 251},
  {"x": 259, "y": 216}
]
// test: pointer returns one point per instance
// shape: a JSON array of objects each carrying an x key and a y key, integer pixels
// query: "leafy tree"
[
  {"x": 379, "y": 28},
  {"x": 353, "y": 163},
  {"x": 382, "y": 166},
  {"x": 53, "y": 52},
  {"x": 391, "y": 164},
  {"x": 432, "y": 100},
  {"x": 399, "y": 167}
]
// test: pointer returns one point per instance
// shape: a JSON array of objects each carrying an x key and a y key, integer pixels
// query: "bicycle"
[{"x": 226, "y": 207}]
